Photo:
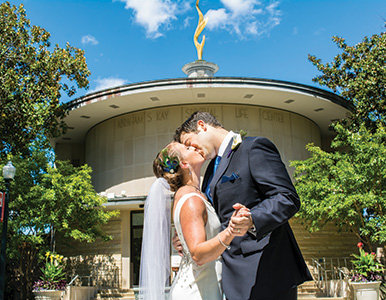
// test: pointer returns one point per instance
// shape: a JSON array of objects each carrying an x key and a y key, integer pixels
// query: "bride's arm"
[{"x": 193, "y": 217}]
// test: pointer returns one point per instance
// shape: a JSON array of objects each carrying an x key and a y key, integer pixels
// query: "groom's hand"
[
  {"x": 240, "y": 210},
  {"x": 241, "y": 220},
  {"x": 177, "y": 244}
]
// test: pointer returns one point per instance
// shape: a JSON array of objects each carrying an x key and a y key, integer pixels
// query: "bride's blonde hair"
[{"x": 167, "y": 165}]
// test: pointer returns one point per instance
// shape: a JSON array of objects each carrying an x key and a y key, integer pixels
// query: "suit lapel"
[
  {"x": 208, "y": 173},
  {"x": 223, "y": 165}
]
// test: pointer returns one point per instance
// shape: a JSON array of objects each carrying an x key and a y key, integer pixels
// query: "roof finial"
[{"x": 200, "y": 27}]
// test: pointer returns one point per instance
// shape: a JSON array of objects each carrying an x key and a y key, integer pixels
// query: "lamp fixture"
[{"x": 9, "y": 171}]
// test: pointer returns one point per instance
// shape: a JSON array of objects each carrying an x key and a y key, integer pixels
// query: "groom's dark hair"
[{"x": 190, "y": 125}]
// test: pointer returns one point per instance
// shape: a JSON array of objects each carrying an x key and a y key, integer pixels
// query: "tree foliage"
[
  {"x": 31, "y": 80},
  {"x": 346, "y": 185},
  {"x": 358, "y": 75},
  {"x": 63, "y": 200},
  {"x": 49, "y": 200}
]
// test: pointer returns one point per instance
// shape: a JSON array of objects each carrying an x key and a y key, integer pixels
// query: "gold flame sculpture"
[{"x": 200, "y": 27}]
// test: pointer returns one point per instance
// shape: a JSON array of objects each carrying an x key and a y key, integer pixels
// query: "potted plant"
[
  {"x": 367, "y": 275},
  {"x": 52, "y": 283}
]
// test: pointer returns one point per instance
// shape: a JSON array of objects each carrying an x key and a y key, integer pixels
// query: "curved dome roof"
[{"x": 320, "y": 106}]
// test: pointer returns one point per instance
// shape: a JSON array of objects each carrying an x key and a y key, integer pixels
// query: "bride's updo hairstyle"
[{"x": 167, "y": 165}]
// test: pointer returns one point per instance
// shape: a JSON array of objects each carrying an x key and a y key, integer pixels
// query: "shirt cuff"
[{"x": 252, "y": 230}]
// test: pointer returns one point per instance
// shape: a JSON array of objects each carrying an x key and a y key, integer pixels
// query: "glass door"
[{"x": 136, "y": 244}]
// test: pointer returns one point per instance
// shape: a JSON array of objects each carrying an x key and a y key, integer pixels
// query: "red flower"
[{"x": 360, "y": 245}]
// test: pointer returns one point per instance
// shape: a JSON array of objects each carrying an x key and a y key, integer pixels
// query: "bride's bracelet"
[{"x": 222, "y": 243}]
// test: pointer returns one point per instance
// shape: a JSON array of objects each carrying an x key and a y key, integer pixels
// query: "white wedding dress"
[{"x": 193, "y": 281}]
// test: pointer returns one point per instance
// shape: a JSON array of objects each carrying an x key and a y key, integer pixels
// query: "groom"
[{"x": 265, "y": 263}]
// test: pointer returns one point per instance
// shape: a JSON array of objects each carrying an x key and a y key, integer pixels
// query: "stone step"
[
  {"x": 322, "y": 298},
  {"x": 310, "y": 291},
  {"x": 308, "y": 287},
  {"x": 306, "y": 291},
  {"x": 114, "y": 298},
  {"x": 115, "y": 294}
]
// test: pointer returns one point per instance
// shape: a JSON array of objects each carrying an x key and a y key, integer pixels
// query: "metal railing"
[
  {"x": 73, "y": 280},
  {"x": 331, "y": 274},
  {"x": 90, "y": 279}
]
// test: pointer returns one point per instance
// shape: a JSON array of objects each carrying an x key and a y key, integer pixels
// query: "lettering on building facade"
[
  {"x": 130, "y": 120},
  {"x": 160, "y": 115},
  {"x": 137, "y": 119},
  {"x": 241, "y": 113},
  {"x": 188, "y": 111},
  {"x": 269, "y": 115}
]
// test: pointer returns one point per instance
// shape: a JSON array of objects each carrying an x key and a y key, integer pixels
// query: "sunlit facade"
[{"x": 119, "y": 131}]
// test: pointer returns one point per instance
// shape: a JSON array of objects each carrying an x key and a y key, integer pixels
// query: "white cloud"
[
  {"x": 187, "y": 21},
  {"x": 245, "y": 18},
  {"x": 153, "y": 14},
  {"x": 320, "y": 31},
  {"x": 89, "y": 39},
  {"x": 241, "y": 7},
  {"x": 252, "y": 28},
  {"x": 217, "y": 18},
  {"x": 106, "y": 83}
]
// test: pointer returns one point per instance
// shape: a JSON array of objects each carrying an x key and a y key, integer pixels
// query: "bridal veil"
[{"x": 155, "y": 256}]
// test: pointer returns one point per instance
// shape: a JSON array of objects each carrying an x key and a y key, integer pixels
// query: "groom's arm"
[
  {"x": 279, "y": 198},
  {"x": 177, "y": 244}
]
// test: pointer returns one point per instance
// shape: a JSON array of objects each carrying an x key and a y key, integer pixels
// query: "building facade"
[{"x": 119, "y": 131}]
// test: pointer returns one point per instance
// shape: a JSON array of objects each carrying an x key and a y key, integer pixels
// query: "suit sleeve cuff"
[{"x": 252, "y": 230}]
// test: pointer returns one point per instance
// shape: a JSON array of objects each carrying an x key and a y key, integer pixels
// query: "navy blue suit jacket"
[{"x": 271, "y": 262}]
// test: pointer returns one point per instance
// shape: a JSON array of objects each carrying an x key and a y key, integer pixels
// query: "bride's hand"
[
  {"x": 177, "y": 244},
  {"x": 240, "y": 210},
  {"x": 241, "y": 220}
]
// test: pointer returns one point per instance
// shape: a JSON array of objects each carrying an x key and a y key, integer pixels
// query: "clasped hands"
[{"x": 240, "y": 222}]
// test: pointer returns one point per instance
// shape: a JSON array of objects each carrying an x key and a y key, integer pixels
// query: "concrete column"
[{"x": 125, "y": 229}]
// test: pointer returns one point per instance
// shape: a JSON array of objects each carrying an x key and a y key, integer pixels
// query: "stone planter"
[
  {"x": 366, "y": 290},
  {"x": 48, "y": 295}
]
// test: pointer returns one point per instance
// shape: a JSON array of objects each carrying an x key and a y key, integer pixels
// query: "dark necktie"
[{"x": 207, "y": 191}]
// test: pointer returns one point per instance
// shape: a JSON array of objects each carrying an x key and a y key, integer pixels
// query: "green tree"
[
  {"x": 358, "y": 75},
  {"x": 345, "y": 185},
  {"x": 49, "y": 200},
  {"x": 31, "y": 80},
  {"x": 46, "y": 199}
]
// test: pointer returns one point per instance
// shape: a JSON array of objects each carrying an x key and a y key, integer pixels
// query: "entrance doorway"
[{"x": 136, "y": 244}]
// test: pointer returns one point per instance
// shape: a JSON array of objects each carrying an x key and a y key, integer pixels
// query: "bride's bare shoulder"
[{"x": 187, "y": 189}]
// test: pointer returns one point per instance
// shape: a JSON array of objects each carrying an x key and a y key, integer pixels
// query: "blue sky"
[{"x": 128, "y": 41}]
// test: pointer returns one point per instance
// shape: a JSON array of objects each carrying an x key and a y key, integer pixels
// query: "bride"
[{"x": 177, "y": 168}]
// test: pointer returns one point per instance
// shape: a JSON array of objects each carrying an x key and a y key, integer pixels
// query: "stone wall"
[
  {"x": 121, "y": 150},
  {"x": 103, "y": 259},
  {"x": 327, "y": 242}
]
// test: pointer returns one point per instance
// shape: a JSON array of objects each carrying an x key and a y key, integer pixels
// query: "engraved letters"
[
  {"x": 189, "y": 111},
  {"x": 272, "y": 116},
  {"x": 139, "y": 118},
  {"x": 241, "y": 113},
  {"x": 131, "y": 120}
]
